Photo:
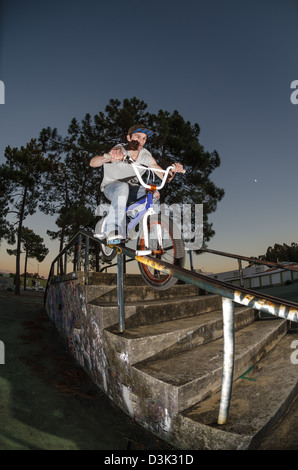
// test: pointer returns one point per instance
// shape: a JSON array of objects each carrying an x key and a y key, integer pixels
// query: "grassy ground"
[{"x": 42, "y": 282}]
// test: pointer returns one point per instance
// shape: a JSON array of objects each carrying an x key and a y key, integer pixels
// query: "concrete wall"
[{"x": 81, "y": 327}]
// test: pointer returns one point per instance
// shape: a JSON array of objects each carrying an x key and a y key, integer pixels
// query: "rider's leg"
[
  {"x": 135, "y": 192},
  {"x": 117, "y": 192}
]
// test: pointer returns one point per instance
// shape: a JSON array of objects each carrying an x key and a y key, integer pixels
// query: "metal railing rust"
[{"x": 230, "y": 294}]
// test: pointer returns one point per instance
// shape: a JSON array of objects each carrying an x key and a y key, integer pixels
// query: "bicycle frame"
[
  {"x": 143, "y": 214},
  {"x": 148, "y": 210},
  {"x": 148, "y": 201}
]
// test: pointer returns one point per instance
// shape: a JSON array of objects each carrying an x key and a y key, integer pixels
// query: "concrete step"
[
  {"x": 180, "y": 380},
  {"x": 153, "y": 311},
  {"x": 259, "y": 398},
  {"x": 145, "y": 293},
  {"x": 94, "y": 291},
  {"x": 110, "y": 279},
  {"x": 171, "y": 337}
]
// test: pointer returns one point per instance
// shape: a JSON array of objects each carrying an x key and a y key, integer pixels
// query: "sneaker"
[
  {"x": 113, "y": 238},
  {"x": 100, "y": 236}
]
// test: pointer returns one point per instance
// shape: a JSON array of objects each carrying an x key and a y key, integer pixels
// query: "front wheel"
[
  {"x": 108, "y": 253},
  {"x": 171, "y": 251}
]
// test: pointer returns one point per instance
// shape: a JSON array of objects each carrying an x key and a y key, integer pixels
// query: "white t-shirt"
[{"x": 123, "y": 171}]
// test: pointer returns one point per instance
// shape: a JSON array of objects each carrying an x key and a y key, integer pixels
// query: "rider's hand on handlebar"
[
  {"x": 178, "y": 169},
  {"x": 117, "y": 155}
]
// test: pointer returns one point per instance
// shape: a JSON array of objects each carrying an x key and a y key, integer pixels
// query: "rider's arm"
[
  {"x": 155, "y": 165},
  {"x": 178, "y": 169},
  {"x": 99, "y": 160},
  {"x": 115, "y": 155}
]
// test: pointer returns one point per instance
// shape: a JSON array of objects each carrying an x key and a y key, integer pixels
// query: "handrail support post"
[
  {"x": 228, "y": 359},
  {"x": 86, "y": 264},
  {"x": 79, "y": 248},
  {"x": 120, "y": 279},
  {"x": 240, "y": 273}
]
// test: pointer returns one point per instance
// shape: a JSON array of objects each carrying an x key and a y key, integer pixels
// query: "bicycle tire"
[
  {"x": 173, "y": 254},
  {"x": 108, "y": 254}
]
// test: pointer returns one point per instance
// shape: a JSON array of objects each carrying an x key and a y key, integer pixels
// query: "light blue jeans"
[{"x": 120, "y": 194}]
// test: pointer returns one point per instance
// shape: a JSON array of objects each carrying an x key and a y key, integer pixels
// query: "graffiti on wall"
[
  {"x": 63, "y": 305},
  {"x": 66, "y": 306}
]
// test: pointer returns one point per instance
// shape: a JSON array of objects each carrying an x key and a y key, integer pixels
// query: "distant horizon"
[{"x": 6, "y": 271}]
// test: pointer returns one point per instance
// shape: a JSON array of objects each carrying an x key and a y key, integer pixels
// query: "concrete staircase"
[{"x": 165, "y": 370}]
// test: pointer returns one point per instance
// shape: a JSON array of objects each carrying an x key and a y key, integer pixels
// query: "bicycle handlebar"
[
  {"x": 137, "y": 165},
  {"x": 148, "y": 186}
]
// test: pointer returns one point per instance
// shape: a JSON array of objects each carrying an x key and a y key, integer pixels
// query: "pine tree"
[
  {"x": 22, "y": 173},
  {"x": 33, "y": 247}
]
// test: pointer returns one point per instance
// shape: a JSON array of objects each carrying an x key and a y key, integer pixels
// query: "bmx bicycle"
[{"x": 158, "y": 235}]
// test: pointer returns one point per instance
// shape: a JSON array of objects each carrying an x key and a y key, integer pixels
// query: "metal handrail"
[
  {"x": 77, "y": 239},
  {"x": 253, "y": 260},
  {"x": 229, "y": 293},
  {"x": 250, "y": 260}
]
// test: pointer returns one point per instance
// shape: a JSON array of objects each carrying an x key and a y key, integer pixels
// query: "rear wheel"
[{"x": 172, "y": 250}]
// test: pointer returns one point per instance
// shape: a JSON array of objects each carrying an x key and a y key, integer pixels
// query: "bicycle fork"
[{"x": 147, "y": 251}]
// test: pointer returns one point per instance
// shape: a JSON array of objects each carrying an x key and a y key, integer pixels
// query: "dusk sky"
[{"x": 227, "y": 65}]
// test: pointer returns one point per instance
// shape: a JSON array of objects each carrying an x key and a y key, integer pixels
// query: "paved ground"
[{"x": 47, "y": 402}]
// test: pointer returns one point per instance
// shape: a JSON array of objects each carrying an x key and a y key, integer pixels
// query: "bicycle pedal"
[{"x": 114, "y": 242}]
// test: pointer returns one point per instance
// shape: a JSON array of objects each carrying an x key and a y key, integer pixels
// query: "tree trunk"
[
  {"x": 19, "y": 241},
  {"x": 25, "y": 270},
  {"x": 61, "y": 270}
]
